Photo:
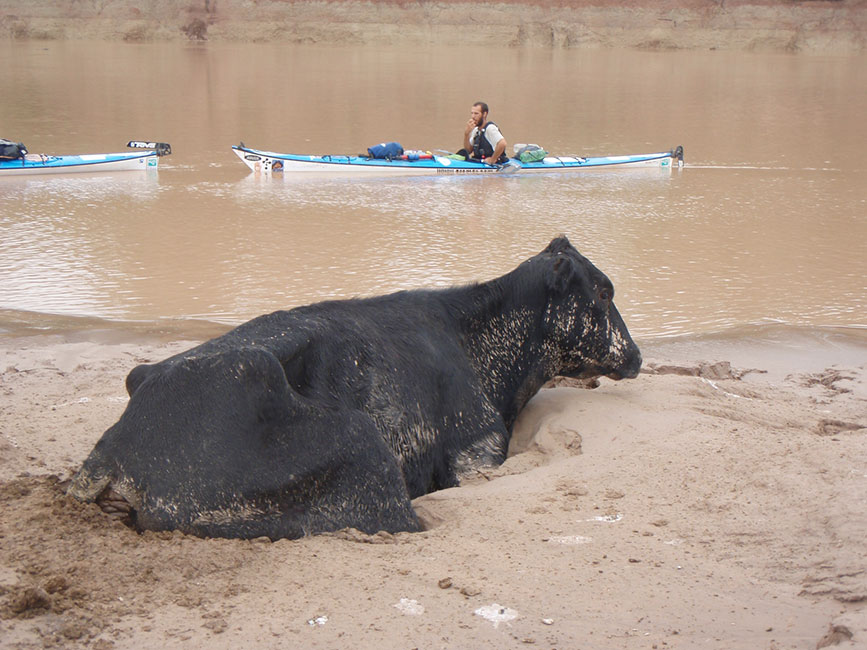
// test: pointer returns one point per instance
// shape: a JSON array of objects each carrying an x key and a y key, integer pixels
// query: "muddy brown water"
[{"x": 766, "y": 223}]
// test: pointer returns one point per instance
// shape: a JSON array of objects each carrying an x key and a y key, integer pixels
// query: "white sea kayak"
[
  {"x": 268, "y": 162},
  {"x": 146, "y": 156}
]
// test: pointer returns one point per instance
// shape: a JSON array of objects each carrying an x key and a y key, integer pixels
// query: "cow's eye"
[{"x": 606, "y": 294}]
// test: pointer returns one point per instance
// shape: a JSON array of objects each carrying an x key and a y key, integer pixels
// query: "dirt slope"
[{"x": 827, "y": 26}]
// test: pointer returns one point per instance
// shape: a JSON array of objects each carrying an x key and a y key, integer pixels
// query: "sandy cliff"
[{"x": 829, "y": 26}]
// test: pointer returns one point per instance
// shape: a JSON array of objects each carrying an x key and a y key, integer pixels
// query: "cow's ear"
[
  {"x": 137, "y": 376},
  {"x": 558, "y": 245},
  {"x": 562, "y": 274}
]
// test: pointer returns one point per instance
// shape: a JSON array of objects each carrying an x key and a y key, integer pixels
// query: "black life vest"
[{"x": 481, "y": 147}]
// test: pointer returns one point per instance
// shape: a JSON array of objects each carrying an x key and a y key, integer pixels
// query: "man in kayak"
[{"x": 482, "y": 139}]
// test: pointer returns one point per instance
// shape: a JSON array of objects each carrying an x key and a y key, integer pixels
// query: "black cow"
[{"x": 336, "y": 414}]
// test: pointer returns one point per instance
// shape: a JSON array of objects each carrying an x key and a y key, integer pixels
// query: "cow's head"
[{"x": 585, "y": 330}]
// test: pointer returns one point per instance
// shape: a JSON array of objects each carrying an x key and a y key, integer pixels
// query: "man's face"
[{"x": 477, "y": 116}]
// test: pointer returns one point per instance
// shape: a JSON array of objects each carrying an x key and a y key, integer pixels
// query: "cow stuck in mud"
[{"x": 337, "y": 414}]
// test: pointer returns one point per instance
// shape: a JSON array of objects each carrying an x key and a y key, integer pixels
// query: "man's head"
[{"x": 479, "y": 113}]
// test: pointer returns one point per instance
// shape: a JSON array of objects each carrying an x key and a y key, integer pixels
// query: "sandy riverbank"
[
  {"x": 827, "y": 26},
  {"x": 716, "y": 501}
]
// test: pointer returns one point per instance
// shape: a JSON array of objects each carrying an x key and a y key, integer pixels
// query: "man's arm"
[
  {"x": 467, "y": 131},
  {"x": 498, "y": 151}
]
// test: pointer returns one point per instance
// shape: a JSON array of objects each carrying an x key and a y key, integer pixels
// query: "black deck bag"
[{"x": 12, "y": 150}]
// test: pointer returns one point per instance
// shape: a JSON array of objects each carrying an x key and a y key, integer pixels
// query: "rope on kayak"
[{"x": 578, "y": 159}]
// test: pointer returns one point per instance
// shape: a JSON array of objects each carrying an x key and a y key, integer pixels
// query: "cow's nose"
[{"x": 629, "y": 369}]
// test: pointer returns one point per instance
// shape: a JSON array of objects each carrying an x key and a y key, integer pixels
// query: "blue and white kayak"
[
  {"x": 147, "y": 158},
  {"x": 268, "y": 161}
]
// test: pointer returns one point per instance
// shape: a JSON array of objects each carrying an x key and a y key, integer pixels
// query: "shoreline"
[
  {"x": 816, "y": 26},
  {"x": 20, "y": 325}
]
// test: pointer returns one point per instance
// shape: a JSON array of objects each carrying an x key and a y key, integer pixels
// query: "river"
[{"x": 766, "y": 224}]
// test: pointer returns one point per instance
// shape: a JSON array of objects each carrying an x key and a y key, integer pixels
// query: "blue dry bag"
[{"x": 387, "y": 150}]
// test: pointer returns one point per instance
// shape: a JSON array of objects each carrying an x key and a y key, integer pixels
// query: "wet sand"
[{"x": 715, "y": 501}]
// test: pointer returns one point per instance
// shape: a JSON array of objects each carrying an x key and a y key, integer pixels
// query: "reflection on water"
[
  {"x": 762, "y": 225},
  {"x": 54, "y": 247}
]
